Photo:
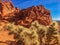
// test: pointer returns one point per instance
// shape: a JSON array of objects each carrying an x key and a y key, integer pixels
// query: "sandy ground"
[{"x": 4, "y": 37}]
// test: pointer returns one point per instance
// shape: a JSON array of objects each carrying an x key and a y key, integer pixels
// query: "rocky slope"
[{"x": 24, "y": 17}]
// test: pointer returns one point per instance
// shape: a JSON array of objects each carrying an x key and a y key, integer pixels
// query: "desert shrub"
[
  {"x": 51, "y": 35},
  {"x": 37, "y": 34},
  {"x": 22, "y": 34},
  {"x": 47, "y": 33}
]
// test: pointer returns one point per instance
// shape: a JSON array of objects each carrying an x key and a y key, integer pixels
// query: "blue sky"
[{"x": 52, "y": 5}]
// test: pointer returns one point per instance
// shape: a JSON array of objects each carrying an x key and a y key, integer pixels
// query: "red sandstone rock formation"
[
  {"x": 38, "y": 13},
  {"x": 6, "y": 8},
  {"x": 26, "y": 16}
]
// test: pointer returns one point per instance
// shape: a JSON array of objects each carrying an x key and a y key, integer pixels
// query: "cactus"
[{"x": 35, "y": 35}]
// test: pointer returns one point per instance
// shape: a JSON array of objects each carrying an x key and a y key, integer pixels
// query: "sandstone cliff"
[
  {"x": 26, "y": 16},
  {"x": 35, "y": 13}
]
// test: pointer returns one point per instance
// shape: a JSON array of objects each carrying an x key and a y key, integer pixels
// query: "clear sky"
[{"x": 52, "y": 5}]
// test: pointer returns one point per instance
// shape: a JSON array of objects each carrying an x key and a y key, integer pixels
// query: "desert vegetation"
[
  {"x": 30, "y": 26},
  {"x": 36, "y": 34}
]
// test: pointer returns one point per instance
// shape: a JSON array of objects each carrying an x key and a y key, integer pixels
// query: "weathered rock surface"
[
  {"x": 38, "y": 13},
  {"x": 6, "y": 8},
  {"x": 26, "y": 16}
]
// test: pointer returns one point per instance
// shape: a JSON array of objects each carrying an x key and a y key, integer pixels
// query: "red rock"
[
  {"x": 36, "y": 13},
  {"x": 6, "y": 8},
  {"x": 26, "y": 16}
]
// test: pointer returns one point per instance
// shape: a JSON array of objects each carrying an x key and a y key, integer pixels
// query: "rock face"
[
  {"x": 38, "y": 13},
  {"x": 26, "y": 16},
  {"x": 6, "y": 8},
  {"x": 8, "y": 11}
]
